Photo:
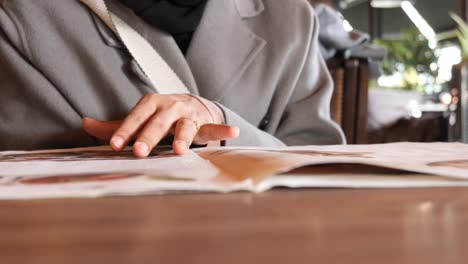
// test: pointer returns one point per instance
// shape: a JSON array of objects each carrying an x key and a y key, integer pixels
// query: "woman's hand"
[{"x": 191, "y": 119}]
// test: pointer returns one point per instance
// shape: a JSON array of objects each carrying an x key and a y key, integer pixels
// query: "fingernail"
[
  {"x": 142, "y": 147},
  {"x": 235, "y": 131},
  {"x": 181, "y": 144},
  {"x": 117, "y": 142}
]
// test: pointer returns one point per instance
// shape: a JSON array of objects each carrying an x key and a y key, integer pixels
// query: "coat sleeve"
[
  {"x": 249, "y": 134},
  {"x": 33, "y": 114},
  {"x": 305, "y": 119}
]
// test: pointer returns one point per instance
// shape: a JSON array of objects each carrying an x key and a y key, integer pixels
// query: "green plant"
[
  {"x": 411, "y": 57},
  {"x": 462, "y": 34}
]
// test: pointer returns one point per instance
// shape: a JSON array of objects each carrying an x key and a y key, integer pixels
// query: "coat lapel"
[
  {"x": 223, "y": 46},
  {"x": 221, "y": 50},
  {"x": 161, "y": 41}
]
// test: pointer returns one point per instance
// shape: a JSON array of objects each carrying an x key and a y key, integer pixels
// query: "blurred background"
[{"x": 399, "y": 67}]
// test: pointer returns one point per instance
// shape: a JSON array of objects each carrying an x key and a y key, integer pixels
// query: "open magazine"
[{"x": 96, "y": 172}]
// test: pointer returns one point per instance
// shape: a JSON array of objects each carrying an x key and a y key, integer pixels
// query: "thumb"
[
  {"x": 213, "y": 132},
  {"x": 100, "y": 129}
]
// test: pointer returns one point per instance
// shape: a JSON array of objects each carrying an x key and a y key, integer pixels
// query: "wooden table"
[{"x": 283, "y": 226}]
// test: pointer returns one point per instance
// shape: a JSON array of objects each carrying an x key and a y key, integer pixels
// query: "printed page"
[
  {"x": 442, "y": 159},
  {"x": 94, "y": 172},
  {"x": 356, "y": 176}
]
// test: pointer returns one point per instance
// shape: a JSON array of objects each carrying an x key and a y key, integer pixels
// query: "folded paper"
[{"x": 97, "y": 172}]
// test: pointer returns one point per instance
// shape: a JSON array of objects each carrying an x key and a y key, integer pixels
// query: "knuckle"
[
  {"x": 146, "y": 98},
  {"x": 186, "y": 122},
  {"x": 153, "y": 96},
  {"x": 150, "y": 99},
  {"x": 186, "y": 125},
  {"x": 177, "y": 106},
  {"x": 148, "y": 102},
  {"x": 135, "y": 117}
]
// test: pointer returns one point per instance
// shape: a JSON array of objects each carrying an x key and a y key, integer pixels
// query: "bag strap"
[{"x": 160, "y": 74}]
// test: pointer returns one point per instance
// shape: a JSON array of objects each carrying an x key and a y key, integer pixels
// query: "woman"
[{"x": 252, "y": 66}]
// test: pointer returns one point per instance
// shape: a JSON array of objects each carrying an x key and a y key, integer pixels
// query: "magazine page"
[
  {"x": 442, "y": 159},
  {"x": 356, "y": 176},
  {"x": 94, "y": 172}
]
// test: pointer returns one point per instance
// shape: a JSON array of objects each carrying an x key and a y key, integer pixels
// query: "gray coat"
[{"x": 259, "y": 59}]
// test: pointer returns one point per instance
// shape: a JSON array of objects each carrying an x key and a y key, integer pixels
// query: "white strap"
[{"x": 151, "y": 63}]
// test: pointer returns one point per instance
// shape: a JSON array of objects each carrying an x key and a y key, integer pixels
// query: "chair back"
[{"x": 350, "y": 97}]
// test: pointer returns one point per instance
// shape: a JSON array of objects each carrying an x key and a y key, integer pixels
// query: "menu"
[{"x": 99, "y": 171}]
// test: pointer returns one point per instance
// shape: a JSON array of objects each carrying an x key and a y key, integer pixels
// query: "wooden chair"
[
  {"x": 459, "y": 75},
  {"x": 350, "y": 97},
  {"x": 349, "y": 101}
]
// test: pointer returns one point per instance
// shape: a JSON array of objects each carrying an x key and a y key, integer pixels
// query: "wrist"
[{"x": 215, "y": 111}]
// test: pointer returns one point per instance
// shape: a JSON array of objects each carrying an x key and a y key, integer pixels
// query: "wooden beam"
[
  {"x": 463, "y": 9},
  {"x": 375, "y": 22}
]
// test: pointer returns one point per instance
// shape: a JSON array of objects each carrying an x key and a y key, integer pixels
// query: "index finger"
[{"x": 133, "y": 123}]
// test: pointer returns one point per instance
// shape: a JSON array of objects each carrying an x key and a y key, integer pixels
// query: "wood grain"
[{"x": 282, "y": 226}]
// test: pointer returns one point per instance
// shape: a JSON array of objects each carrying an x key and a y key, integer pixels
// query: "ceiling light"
[
  {"x": 426, "y": 30},
  {"x": 386, "y": 3}
]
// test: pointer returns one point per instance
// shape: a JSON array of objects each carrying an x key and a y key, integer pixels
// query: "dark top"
[{"x": 180, "y": 18}]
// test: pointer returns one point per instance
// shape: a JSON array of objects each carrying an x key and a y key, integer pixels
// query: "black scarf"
[{"x": 180, "y": 18}]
